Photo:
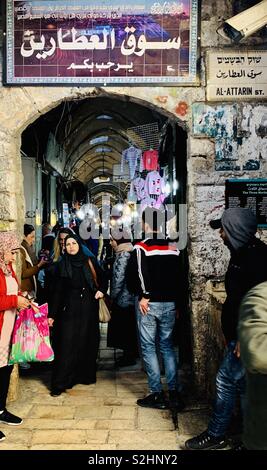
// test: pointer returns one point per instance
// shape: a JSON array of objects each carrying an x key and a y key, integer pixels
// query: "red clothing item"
[
  {"x": 6, "y": 301},
  {"x": 150, "y": 160}
]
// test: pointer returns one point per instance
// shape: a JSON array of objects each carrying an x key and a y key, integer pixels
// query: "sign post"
[{"x": 237, "y": 75}]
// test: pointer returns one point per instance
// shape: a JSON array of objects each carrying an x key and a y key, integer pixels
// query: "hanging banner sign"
[
  {"x": 237, "y": 75},
  {"x": 101, "y": 42}
]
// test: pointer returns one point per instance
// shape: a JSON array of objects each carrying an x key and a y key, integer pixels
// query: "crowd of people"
[{"x": 142, "y": 278}]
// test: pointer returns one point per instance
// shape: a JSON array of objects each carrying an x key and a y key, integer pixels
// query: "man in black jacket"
[
  {"x": 153, "y": 276},
  {"x": 246, "y": 269}
]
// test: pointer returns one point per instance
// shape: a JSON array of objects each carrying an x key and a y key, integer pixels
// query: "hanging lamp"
[{"x": 103, "y": 178}]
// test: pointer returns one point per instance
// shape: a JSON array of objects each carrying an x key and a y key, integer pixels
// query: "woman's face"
[
  {"x": 10, "y": 256},
  {"x": 30, "y": 239},
  {"x": 72, "y": 246}
]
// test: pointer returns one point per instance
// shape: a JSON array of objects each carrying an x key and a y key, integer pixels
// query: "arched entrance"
[{"x": 78, "y": 146}]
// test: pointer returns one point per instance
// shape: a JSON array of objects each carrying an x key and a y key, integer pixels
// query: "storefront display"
[{"x": 148, "y": 186}]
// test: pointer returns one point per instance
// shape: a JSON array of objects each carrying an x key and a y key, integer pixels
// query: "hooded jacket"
[{"x": 247, "y": 266}]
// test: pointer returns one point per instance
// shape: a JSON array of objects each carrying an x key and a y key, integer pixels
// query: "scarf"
[
  {"x": 80, "y": 260},
  {"x": 8, "y": 241}
]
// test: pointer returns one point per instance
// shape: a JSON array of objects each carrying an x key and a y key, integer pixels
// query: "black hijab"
[{"x": 80, "y": 260}]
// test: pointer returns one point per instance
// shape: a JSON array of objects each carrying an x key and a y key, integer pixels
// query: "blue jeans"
[
  {"x": 230, "y": 381},
  {"x": 158, "y": 325}
]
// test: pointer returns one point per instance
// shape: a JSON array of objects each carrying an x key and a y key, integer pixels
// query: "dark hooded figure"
[
  {"x": 74, "y": 307},
  {"x": 247, "y": 268}
]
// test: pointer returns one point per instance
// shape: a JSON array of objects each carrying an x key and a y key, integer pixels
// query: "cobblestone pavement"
[{"x": 102, "y": 416}]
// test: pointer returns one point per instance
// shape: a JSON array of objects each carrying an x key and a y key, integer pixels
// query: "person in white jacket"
[{"x": 252, "y": 330}]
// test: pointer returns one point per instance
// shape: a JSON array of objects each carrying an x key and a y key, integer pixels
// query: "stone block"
[
  {"x": 8, "y": 180},
  {"x": 59, "y": 436},
  {"x": 49, "y": 423},
  {"x": 154, "y": 419},
  {"x": 193, "y": 423},
  {"x": 79, "y": 400},
  {"x": 208, "y": 259},
  {"x": 6, "y": 163},
  {"x": 20, "y": 437},
  {"x": 214, "y": 194},
  {"x": 123, "y": 424},
  {"x": 52, "y": 412},
  {"x": 95, "y": 412},
  {"x": 87, "y": 446},
  {"x": 20, "y": 408},
  {"x": 8, "y": 206},
  {"x": 125, "y": 412},
  {"x": 97, "y": 436},
  {"x": 143, "y": 440},
  {"x": 131, "y": 388}
]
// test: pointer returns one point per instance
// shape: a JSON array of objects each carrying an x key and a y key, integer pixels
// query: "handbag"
[
  {"x": 30, "y": 338},
  {"x": 103, "y": 312}
]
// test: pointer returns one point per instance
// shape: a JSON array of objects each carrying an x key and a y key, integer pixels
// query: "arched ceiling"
[{"x": 91, "y": 134}]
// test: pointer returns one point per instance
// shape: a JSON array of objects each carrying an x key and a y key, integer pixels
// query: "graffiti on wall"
[{"x": 236, "y": 131}]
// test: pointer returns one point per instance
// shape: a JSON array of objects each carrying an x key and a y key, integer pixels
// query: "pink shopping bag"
[{"x": 30, "y": 339}]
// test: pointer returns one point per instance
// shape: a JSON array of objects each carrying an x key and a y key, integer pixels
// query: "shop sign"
[
  {"x": 65, "y": 214},
  {"x": 250, "y": 193},
  {"x": 119, "y": 176},
  {"x": 101, "y": 42},
  {"x": 237, "y": 75}
]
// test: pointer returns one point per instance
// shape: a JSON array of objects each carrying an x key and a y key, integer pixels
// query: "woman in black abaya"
[{"x": 74, "y": 312}]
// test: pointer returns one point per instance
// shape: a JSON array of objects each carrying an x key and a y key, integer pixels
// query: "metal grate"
[{"x": 145, "y": 136}]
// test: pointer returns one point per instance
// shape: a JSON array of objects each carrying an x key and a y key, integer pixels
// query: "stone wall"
[{"x": 208, "y": 258}]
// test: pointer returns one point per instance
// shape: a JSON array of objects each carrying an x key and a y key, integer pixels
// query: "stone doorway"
[{"x": 70, "y": 140}]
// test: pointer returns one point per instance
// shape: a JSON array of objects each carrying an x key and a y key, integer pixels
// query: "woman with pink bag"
[{"x": 10, "y": 301}]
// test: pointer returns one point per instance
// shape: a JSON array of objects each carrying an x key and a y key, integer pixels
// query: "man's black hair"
[{"x": 155, "y": 218}]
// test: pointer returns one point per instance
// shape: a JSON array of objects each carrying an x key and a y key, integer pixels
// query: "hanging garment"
[
  {"x": 167, "y": 142},
  {"x": 159, "y": 202},
  {"x": 148, "y": 202},
  {"x": 149, "y": 160},
  {"x": 131, "y": 156},
  {"x": 154, "y": 183},
  {"x": 138, "y": 186}
]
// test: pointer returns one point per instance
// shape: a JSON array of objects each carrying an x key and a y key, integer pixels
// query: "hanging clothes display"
[
  {"x": 150, "y": 160},
  {"x": 167, "y": 141},
  {"x": 131, "y": 156},
  {"x": 138, "y": 186},
  {"x": 154, "y": 184},
  {"x": 147, "y": 184}
]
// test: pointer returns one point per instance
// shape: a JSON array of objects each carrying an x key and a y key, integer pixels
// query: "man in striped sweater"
[{"x": 153, "y": 276}]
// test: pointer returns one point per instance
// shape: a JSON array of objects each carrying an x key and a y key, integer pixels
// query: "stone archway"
[{"x": 22, "y": 106}]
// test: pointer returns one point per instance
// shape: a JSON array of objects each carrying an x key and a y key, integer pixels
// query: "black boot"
[{"x": 154, "y": 400}]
